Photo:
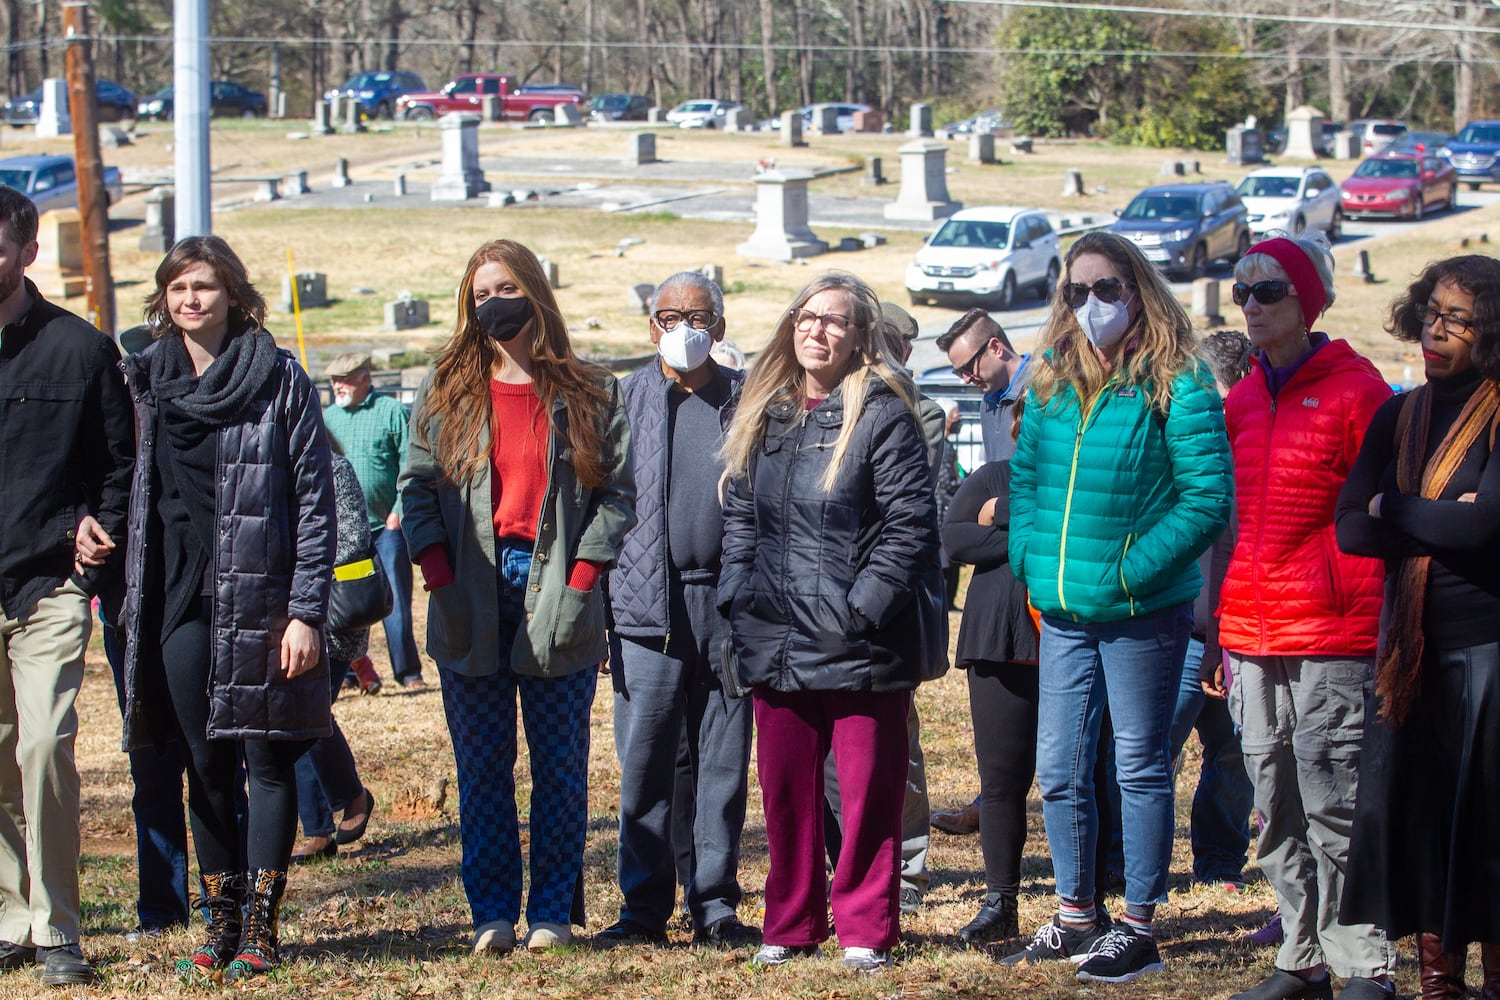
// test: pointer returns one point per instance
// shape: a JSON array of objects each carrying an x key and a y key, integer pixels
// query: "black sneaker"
[
  {"x": 726, "y": 932},
  {"x": 64, "y": 965},
  {"x": 911, "y": 900},
  {"x": 1119, "y": 957},
  {"x": 626, "y": 932},
  {"x": 1057, "y": 941}
]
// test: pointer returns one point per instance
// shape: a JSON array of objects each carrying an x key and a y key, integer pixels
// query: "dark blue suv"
[
  {"x": 377, "y": 91},
  {"x": 1475, "y": 153}
]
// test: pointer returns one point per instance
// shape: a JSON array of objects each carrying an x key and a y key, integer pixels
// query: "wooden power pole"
[{"x": 93, "y": 201}]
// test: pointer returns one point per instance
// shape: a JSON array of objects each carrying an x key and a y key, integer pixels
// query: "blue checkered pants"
[{"x": 481, "y": 714}]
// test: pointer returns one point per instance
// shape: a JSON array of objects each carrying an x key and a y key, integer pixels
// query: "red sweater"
[
  {"x": 1289, "y": 590},
  {"x": 518, "y": 481}
]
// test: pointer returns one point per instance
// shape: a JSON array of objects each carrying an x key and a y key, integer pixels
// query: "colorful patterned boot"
[
  {"x": 257, "y": 951},
  {"x": 223, "y": 892}
]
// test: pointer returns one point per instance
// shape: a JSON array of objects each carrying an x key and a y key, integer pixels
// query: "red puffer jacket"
[{"x": 1289, "y": 590}]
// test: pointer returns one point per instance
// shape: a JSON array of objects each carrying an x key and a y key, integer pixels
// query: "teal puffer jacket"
[{"x": 1112, "y": 502}]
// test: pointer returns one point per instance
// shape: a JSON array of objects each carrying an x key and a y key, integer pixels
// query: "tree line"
[{"x": 1176, "y": 76}]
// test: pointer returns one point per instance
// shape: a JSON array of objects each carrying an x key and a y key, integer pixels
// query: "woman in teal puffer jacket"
[{"x": 1121, "y": 478}]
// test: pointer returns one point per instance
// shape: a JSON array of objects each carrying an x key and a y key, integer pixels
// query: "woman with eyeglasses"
[
  {"x": 1297, "y": 617},
  {"x": 1120, "y": 480},
  {"x": 1424, "y": 496},
  {"x": 830, "y": 527},
  {"x": 516, "y": 496}
]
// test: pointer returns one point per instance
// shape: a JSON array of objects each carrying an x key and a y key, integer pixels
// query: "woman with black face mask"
[{"x": 515, "y": 498}]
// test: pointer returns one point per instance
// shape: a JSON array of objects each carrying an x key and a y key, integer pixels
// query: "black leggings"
[
  {"x": 1003, "y": 705},
  {"x": 211, "y": 772}
]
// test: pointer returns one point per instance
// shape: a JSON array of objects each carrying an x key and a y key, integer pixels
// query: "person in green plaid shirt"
[{"x": 371, "y": 428}]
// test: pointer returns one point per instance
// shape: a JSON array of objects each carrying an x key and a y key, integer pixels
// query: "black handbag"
[{"x": 361, "y": 596}]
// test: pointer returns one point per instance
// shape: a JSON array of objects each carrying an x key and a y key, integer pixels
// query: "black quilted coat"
[
  {"x": 819, "y": 586},
  {"x": 273, "y": 562},
  {"x": 638, "y": 585}
]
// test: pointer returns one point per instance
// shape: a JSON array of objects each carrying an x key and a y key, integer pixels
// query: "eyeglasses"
[
  {"x": 805, "y": 320},
  {"x": 966, "y": 371},
  {"x": 1267, "y": 293},
  {"x": 1453, "y": 324},
  {"x": 698, "y": 319},
  {"x": 1105, "y": 290}
]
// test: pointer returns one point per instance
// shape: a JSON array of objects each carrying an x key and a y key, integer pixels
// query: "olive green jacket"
[{"x": 564, "y": 628}]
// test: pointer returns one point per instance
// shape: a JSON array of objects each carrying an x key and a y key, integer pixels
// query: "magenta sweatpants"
[{"x": 867, "y": 733}]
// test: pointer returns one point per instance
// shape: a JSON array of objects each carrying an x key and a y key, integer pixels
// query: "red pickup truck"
[{"x": 468, "y": 91}]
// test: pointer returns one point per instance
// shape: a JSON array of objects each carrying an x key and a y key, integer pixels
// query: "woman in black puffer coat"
[
  {"x": 228, "y": 567},
  {"x": 830, "y": 529}
]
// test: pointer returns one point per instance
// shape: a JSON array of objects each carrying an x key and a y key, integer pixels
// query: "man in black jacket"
[
  {"x": 67, "y": 449},
  {"x": 666, "y": 634}
]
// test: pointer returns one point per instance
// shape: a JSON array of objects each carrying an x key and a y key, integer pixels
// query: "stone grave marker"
[
  {"x": 781, "y": 231},
  {"x": 924, "y": 183},
  {"x": 460, "y": 177}
]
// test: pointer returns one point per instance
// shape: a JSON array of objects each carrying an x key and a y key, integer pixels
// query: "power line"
[{"x": 1297, "y": 19}]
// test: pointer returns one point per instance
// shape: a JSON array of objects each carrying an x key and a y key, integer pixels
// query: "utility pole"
[
  {"x": 93, "y": 202},
  {"x": 190, "y": 111}
]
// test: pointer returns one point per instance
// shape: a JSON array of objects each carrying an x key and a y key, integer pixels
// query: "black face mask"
[{"x": 502, "y": 318}]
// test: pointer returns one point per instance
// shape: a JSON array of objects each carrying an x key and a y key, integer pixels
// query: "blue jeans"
[
  {"x": 1220, "y": 824},
  {"x": 327, "y": 778},
  {"x": 1139, "y": 662},
  {"x": 160, "y": 827},
  {"x": 390, "y": 549},
  {"x": 481, "y": 713}
]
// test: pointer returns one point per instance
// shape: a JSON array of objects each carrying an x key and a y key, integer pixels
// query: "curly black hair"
[{"x": 1477, "y": 274}]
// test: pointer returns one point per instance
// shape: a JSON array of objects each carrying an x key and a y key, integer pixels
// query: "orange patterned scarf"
[{"x": 1398, "y": 665}]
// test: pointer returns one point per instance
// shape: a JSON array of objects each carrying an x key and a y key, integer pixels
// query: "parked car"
[
  {"x": 1475, "y": 153},
  {"x": 1182, "y": 227},
  {"x": 619, "y": 108},
  {"x": 700, "y": 113},
  {"x": 112, "y": 102},
  {"x": 1376, "y": 133},
  {"x": 467, "y": 91},
  {"x": 986, "y": 255},
  {"x": 844, "y": 115},
  {"x": 52, "y": 182},
  {"x": 1399, "y": 185},
  {"x": 227, "y": 99},
  {"x": 1292, "y": 198},
  {"x": 378, "y": 91},
  {"x": 1419, "y": 142},
  {"x": 993, "y": 120},
  {"x": 940, "y": 384}
]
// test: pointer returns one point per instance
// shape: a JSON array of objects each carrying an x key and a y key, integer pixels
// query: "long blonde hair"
[
  {"x": 777, "y": 376},
  {"x": 1158, "y": 346},
  {"x": 460, "y": 390}
]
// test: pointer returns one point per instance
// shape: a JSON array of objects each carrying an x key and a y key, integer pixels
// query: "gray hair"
[
  {"x": 1263, "y": 267},
  {"x": 692, "y": 279}
]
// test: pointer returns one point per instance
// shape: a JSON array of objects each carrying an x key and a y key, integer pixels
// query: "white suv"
[
  {"x": 987, "y": 254},
  {"x": 1293, "y": 199}
]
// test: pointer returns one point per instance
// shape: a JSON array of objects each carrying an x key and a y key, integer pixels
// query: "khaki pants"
[
  {"x": 41, "y": 670},
  {"x": 1300, "y": 722}
]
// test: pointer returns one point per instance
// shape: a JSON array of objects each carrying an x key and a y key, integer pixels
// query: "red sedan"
[{"x": 1399, "y": 185}]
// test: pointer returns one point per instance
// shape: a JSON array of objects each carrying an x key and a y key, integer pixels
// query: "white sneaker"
[
  {"x": 543, "y": 935},
  {"x": 867, "y": 959},
  {"x": 779, "y": 954},
  {"x": 497, "y": 935}
]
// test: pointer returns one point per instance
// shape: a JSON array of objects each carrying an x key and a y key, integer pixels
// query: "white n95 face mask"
[
  {"x": 684, "y": 348},
  {"x": 1104, "y": 323}
]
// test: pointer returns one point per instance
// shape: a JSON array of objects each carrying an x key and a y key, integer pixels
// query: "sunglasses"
[
  {"x": 1267, "y": 293},
  {"x": 1106, "y": 290},
  {"x": 965, "y": 371}
]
